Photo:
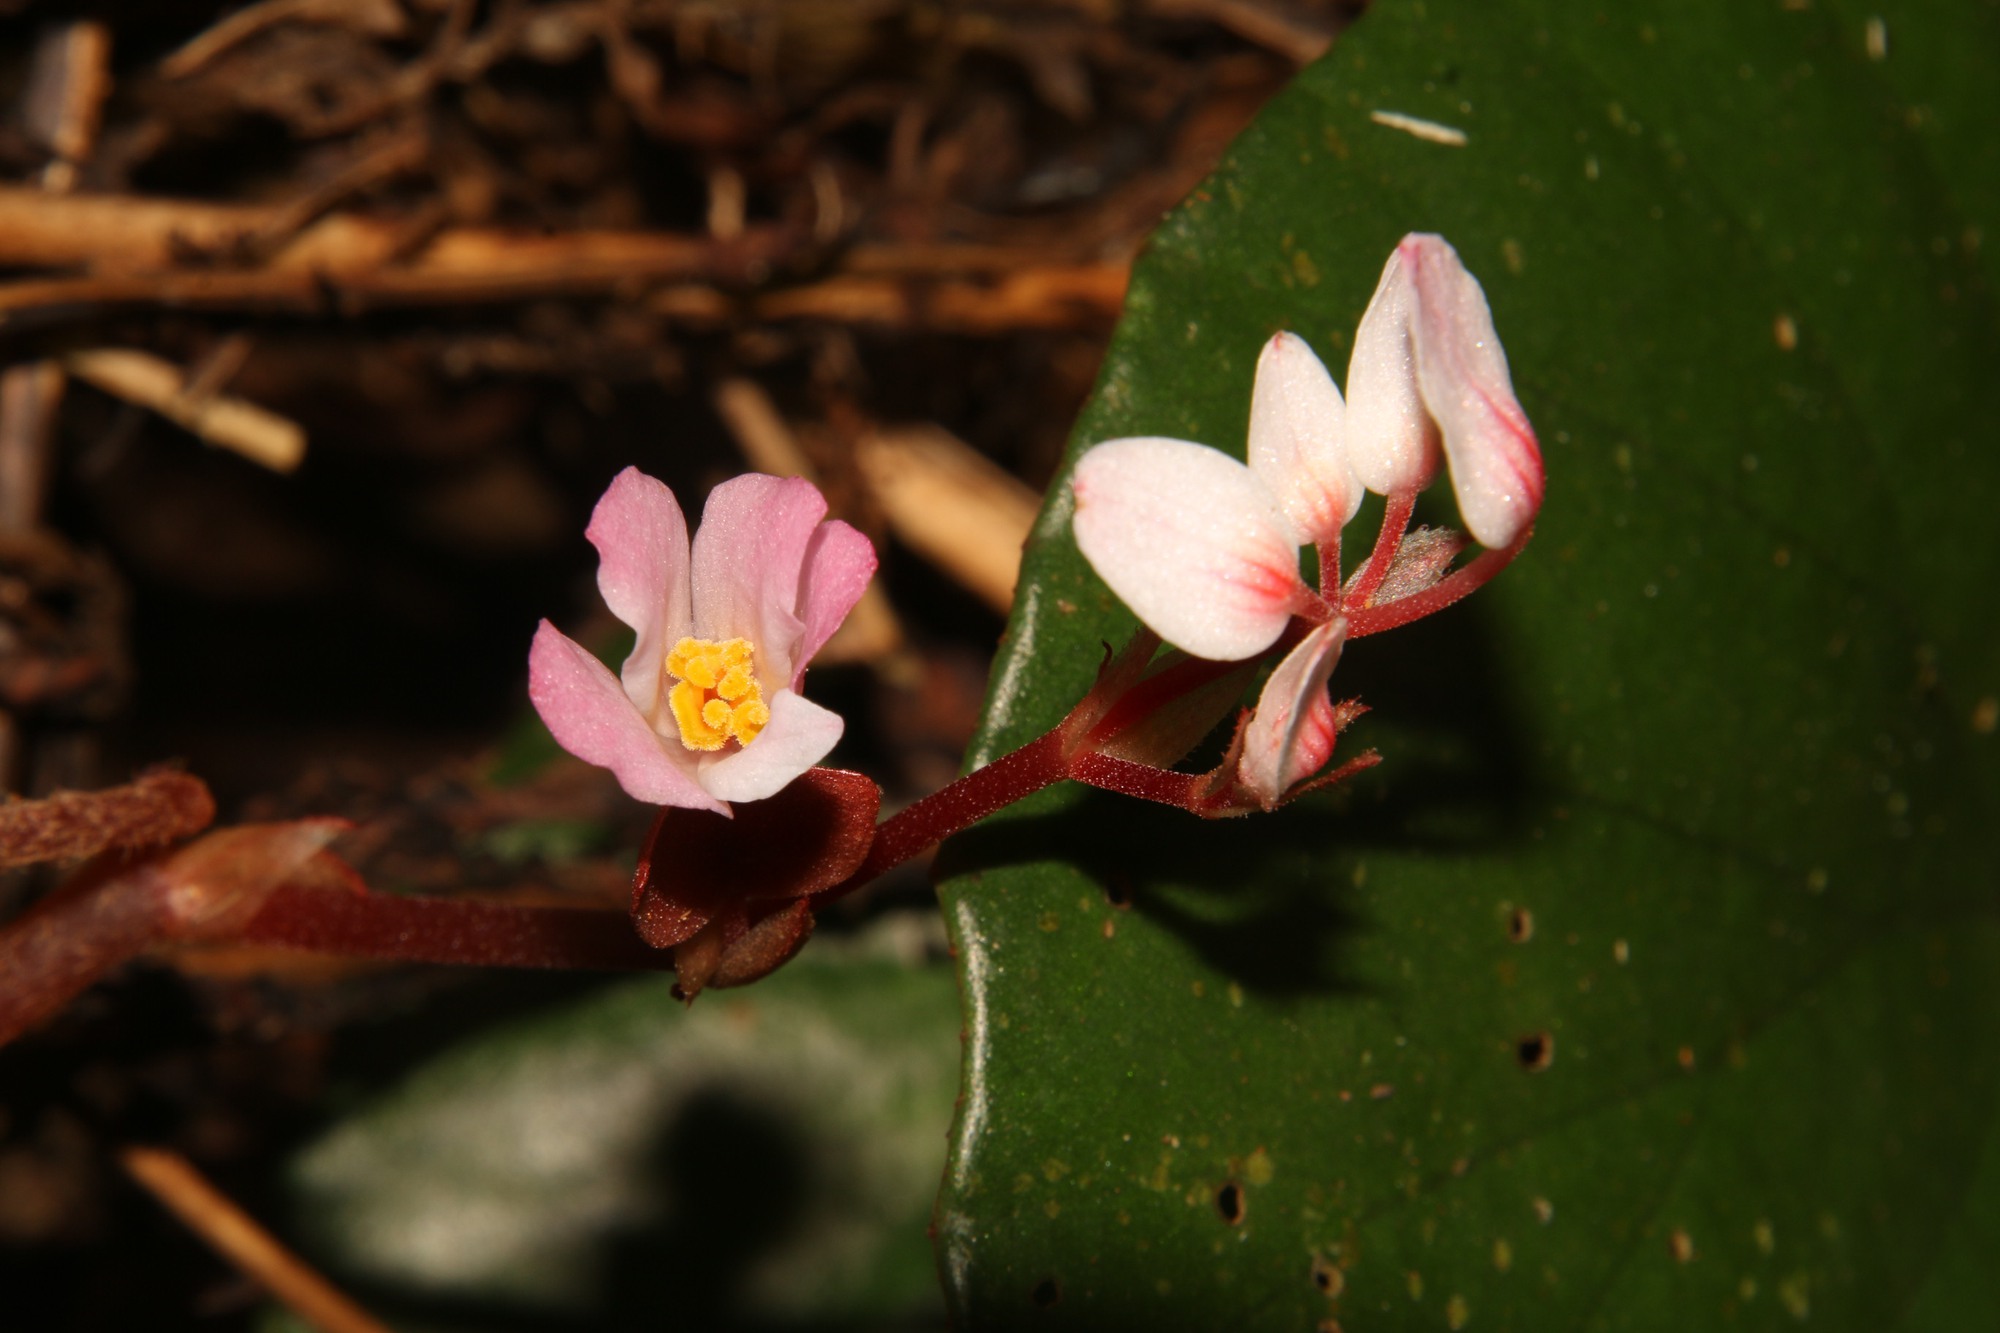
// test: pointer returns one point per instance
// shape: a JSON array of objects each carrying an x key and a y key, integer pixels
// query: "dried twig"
[
  {"x": 1084, "y": 296},
  {"x": 380, "y": 18},
  {"x": 871, "y": 632},
  {"x": 229, "y": 423},
  {"x": 30, "y": 393},
  {"x": 953, "y": 505},
  {"x": 136, "y": 251},
  {"x": 67, "y": 85},
  {"x": 239, "y": 1238},
  {"x": 68, "y": 826}
]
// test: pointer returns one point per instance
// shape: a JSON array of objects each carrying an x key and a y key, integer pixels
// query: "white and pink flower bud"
[
  {"x": 1192, "y": 541},
  {"x": 1291, "y": 734},
  {"x": 1427, "y": 370},
  {"x": 1296, "y": 447}
]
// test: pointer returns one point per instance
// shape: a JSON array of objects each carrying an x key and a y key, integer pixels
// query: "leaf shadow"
[
  {"x": 732, "y": 1178},
  {"x": 1268, "y": 900}
]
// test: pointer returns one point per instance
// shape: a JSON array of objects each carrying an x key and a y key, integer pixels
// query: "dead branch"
[
  {"x": 953, "y": 505},
  {"x": 68, "y": 826},
  {"x": 240, "y": 1239},
  {"x": 261, "y": 436}
]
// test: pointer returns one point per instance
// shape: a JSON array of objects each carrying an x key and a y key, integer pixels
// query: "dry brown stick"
[
  {"x": 953, "y": 505},
  {"x": 67, "y": 85},
  {"x": 1075, "y": 297},
  {"x": 161, "y": 239},
  {"x": 871, "y": 633},
  {"x": 30, "y": 393},
  {"x": 1300, "y": 40},
  {"x": 70, "y": 825},
  {"x": 377, "y": 18},
  {"x": 400, "y": 151},
  {"x": 139, "y": 377},
  {"x": 238, "y": 1237}
]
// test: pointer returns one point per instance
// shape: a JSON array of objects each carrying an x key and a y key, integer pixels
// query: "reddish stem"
[
  {"x": 1163, "y": 785},
  {"x": 1393, "y": 615},
  {"x": 1329, "y": 570},
  {"x": 450, "y": 930},
  {"x": 1395, "y": 522},
  {"x": 1156, "y": 692},
  {"x": 65, "y": 944},
  {"x": 965, "y": 802}
]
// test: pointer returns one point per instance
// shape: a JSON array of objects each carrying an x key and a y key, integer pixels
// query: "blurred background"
[{"x": 323, "y": 324}]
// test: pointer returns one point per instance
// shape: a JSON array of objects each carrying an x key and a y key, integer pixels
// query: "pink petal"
[
  {"x": 1496, "y": 466},
  {"x": 799, "y": 735},
  {"x": 1392, "y": 444},
  {"x": 1191, "y": 541},
  {"x": 749, "y": 557},
  {"x": 1296, "y": 440},
  {"x": 642, "y": 570},
  {"x": 839, "y": 563},
  {"x": 1291, "y": 735},
  {"x": 587, "y": 711}
]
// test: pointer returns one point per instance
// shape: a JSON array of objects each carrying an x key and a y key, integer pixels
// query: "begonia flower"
[
  {"x": 1291, "y": 733},
  {"x": 706, "y": 709},
  {"x": 1428, "y": 369},
  {"x": 1205, "y": 550}
]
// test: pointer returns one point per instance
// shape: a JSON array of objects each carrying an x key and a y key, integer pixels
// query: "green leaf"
[
  {"x": 1695, "y": 805},
  {"x": 762, "y": 1158}
]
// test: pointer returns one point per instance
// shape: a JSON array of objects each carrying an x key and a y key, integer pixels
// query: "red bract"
[{"x": 730, "y": 895}]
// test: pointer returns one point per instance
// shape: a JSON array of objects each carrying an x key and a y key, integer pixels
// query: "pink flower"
[
  {"x": 1205, "y": 550},
  {"x": 1428, "y": 369},
  {"x": 1291, "y": 733},
  {"x": 706, "y": 709}
]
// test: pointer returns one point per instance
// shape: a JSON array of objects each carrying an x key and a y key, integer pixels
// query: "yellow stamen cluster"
[{"x": 717, "y": 699}]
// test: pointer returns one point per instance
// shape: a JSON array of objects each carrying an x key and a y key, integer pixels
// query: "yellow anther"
[
  {"x": 735, "y": 684},
  {"x": 717, "y": 698}
]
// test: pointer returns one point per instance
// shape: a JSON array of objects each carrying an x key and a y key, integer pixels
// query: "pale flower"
[
  {"x": 1205, "y": 550},
  {"x": 706, "y": 709},
  {"x": 1427, "y": 369}
]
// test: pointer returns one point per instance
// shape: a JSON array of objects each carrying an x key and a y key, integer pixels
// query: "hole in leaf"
[
  {"x": 1046, "y": 1293},
  {"x": 1521, "y": 925},
  {"x": 1327, "y": 1276},
  {"x": 1536, "y": 1052},
  {"x": 1229, "y": 1202},
  {"x": 1118, "y": 891}
]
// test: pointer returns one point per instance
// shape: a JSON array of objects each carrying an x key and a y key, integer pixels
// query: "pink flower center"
[{"x": 716, "y": 698}]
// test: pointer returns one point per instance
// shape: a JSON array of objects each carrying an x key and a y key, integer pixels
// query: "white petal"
[
  {"x": 1297, "y": 440},
  {"x": 799, "y": 735},
  {"x": 1290, "y": 736},
  {"x": 1392, "y": 444},
  {"x": 1191, "y": 541},
  {"x": 1496, "y": 466}
]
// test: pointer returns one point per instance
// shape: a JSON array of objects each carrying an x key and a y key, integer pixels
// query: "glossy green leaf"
[
  {"x": 764, "y": 1158},
  {"x": 1654, "y": 979}
]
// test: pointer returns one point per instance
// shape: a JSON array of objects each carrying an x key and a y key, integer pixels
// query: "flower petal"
[
  {"x": 1392, "y": 443},
  {"x": 839, "y": 563},
  {"x": 1297, "y": 446},
  {"x": 1291, "y": 735},
  {"x": 798, "y": 736},
  {"x": 1191, "y": 541},
  {"x": 749, "y": 557},
  {"x": 1496, "y": 466},
  {"x": 589, "y": 714},
  {"x": 642, "y": 570}
]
